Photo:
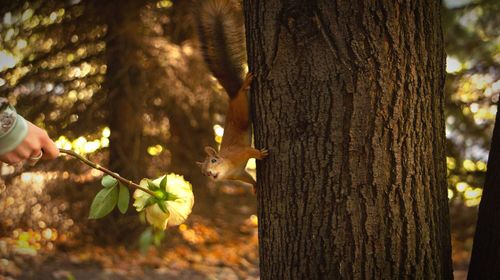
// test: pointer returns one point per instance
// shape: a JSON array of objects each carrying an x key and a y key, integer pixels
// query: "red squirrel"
[{"x": 220, "y": 29}]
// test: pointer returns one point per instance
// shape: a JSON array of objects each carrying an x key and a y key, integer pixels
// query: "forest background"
[{"x": 93, "y": 73}]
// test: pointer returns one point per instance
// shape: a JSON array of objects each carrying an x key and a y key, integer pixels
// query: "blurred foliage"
[
  {"x": 53, "y": 68},
  {"x": 472, "y": 41},
  {"x": 473, "y": 47}
]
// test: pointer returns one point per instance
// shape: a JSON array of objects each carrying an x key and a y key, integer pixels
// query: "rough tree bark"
[
  {"x": 348, "y": 97},
  {"x": 485, "y": 259},
  {"x": 126, "y": 101}
]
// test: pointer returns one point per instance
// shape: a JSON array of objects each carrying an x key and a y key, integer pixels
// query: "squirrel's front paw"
[{"x": 263, "y": 153}]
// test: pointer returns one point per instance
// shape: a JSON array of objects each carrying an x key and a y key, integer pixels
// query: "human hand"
[{"x": 36, "y": 142}]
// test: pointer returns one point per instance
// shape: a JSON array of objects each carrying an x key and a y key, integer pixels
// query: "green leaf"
[
  {"x": 108, "y": 181},
  {"x": 146, "y": 240},
  {"x": 123, "y": 199},
  {"x": 158, "y": 236},
  {"x": 162, "y": 206},
  {"x": 151, "y": 185},
  {"x": 163, "y": 183},
  {"x": 103, "y": 203},
  {"x": 150, "y": 237}
]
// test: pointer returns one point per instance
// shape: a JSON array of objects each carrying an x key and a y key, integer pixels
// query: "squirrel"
[{"x": 221, "y": 35}]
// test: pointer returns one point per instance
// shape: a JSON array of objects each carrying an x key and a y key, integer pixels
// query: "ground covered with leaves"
[
  {"x": 45, "y": 233},
  {"x": 228, "y": 259}
]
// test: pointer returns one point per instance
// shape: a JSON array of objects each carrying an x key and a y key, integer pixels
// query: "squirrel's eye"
[{"x": 213, "y": 160}]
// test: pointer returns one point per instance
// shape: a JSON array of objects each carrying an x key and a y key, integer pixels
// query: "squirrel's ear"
[{"x": 210, "y": 151}]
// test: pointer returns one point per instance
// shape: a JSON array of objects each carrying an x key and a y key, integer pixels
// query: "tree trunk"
[
  {"x": 348, "y": 97},
  {"x": 485, "y": 259},
  {"x": 124, "y": 83}
]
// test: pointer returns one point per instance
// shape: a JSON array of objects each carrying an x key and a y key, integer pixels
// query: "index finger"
[{"x": 50, "y": 150}]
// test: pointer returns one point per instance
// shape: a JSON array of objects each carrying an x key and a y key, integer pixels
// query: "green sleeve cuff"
[{"x": 10, "y": 140}]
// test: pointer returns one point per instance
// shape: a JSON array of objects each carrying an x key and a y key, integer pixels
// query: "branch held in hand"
[{"x": 126, "y": 182}]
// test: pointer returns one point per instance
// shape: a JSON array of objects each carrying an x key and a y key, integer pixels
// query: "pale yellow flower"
[{"x": 178, "y": 208}]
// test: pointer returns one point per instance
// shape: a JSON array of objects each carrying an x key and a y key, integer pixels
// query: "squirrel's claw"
[
  {"x": 263, "y": 153},
  {"x": 247, "y": 82}
]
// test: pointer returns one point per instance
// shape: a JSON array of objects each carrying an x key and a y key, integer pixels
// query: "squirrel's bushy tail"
[{"x": 221, "y": 33}]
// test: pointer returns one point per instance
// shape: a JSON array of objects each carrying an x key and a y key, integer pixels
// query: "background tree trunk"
[
  {"x": 485, "y": 259},
  {"x": 126, "y": 100},
  {"x": 348, "y": 97}
]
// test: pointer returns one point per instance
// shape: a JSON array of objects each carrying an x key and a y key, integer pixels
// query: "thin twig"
[{"x": 128, "y": 183}]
